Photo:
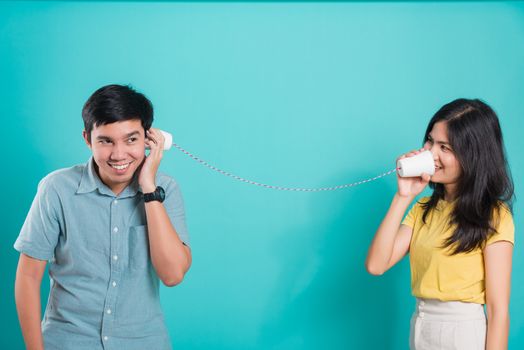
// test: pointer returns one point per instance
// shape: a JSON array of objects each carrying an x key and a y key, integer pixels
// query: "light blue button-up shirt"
[{"x": 104, "y": 290}]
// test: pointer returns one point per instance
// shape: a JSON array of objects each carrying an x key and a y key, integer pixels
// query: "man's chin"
[{"x": 120, "y": 179}]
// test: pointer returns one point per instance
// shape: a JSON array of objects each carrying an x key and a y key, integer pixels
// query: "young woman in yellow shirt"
[{"x": 459, "y": 239}]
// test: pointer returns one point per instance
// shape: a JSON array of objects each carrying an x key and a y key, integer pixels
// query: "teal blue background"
[{"x": 292, "y": 94}]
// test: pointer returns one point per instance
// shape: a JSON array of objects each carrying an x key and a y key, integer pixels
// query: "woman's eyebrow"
[{"x": 439, "y": 142}]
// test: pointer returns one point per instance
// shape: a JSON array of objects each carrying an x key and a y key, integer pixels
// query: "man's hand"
[{"x": 155, "y": 141}]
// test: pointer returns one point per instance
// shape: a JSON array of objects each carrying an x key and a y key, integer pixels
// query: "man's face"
[{"x": 118, "y": 150}]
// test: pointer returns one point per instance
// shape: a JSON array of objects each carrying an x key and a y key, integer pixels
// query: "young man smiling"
[{"x": 110, "y": 230}]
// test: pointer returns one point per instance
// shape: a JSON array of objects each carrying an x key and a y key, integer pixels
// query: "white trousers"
[{"x": 447, "y": 325}]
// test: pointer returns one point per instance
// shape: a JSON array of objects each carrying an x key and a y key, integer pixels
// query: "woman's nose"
[
  {"x": 432, "y": 149},
  {"x": 434, "y": 152}
]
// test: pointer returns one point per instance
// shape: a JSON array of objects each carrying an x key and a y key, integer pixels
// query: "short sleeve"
[
  {"x": 174, "y": 204},
  {"x": 504, "y": 226},
  {"x": 41, "y": 229},
  {"x": 410, "y": 219}
]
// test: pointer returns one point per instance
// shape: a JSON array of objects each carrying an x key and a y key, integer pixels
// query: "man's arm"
[
  {"x": 170, "y": 257},
  {"x": 27, "y": 296}
]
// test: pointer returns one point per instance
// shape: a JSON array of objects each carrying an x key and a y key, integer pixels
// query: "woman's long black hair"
[{"x": 485, "y": 182}]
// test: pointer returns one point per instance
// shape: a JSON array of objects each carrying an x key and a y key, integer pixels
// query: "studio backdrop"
[{"x": 293, "y": 94}]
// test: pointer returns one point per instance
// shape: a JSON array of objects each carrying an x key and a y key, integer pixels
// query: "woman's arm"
[
  {"x": 27, "y": 297},
  {"x": 497, "y": 264},
  {"x": 391, "y": 241}
]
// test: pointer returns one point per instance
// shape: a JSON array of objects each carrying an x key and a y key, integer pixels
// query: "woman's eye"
[{"x": 445, "y": 149}]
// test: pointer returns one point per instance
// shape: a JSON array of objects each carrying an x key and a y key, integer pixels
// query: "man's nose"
[{"x": 117, "y": 151}]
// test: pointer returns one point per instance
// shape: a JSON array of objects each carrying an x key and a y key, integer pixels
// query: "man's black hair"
[{"x": 114, "y": 103}]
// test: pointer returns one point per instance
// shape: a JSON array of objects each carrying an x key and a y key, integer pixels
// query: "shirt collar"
[
  {"x": 91, "y": 181},
  {"x": 443, "y": 204}
]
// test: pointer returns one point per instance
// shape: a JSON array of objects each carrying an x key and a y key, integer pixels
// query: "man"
[{"x": 110, "y": 230}]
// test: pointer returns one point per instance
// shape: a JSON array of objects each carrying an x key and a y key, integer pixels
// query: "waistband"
[{"x": 437, "y": 310}]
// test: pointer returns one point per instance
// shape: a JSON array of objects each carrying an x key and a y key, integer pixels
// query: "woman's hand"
[{"x": 412, "y": 186}]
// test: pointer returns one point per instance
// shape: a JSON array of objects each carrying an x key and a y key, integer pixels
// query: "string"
[{"x": 279, "y": 188}]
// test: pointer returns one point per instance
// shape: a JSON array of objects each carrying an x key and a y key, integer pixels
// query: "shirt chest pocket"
[{"x": 138, "y": 244}]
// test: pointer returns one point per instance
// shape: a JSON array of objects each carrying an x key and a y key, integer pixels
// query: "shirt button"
[
  {"x": 422, "y": 303},
  {"x": 115, "y": 201},
  {"x": 421, "y": 314},
  {"x": 115, "y": 257},
  {"x": 106, "y": 338},
  {"x": 108, "y": 311},
  {"x": 115, "y": 230},
  {"x": 114, "y": 284}
]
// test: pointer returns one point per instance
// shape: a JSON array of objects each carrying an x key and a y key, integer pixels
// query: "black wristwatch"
[{"x": 158, "y": 195}]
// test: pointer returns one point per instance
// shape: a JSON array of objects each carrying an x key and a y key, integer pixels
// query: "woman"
[{"x": 460, "y": 239}]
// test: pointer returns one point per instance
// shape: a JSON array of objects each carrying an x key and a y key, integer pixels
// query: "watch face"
[
  {"x": 158, "y": 195},
  {"x": 161, "y": 193}
]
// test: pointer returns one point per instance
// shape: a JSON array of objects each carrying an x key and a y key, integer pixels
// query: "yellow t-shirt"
[{"x": 435, "y": 273}]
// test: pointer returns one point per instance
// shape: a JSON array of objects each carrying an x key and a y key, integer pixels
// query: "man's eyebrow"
[
  {"x": 132, "y": 134},
  {"x": 102, "y": 137}
]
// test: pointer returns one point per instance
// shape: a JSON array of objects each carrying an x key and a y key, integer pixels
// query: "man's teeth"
[{"x": 120, "y": 167}]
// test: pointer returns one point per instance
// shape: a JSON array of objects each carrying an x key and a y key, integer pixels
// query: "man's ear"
[{"x": 86, "y": 138}]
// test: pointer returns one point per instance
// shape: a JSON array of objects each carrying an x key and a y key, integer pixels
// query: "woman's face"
[{"x": 447, "y": 166}]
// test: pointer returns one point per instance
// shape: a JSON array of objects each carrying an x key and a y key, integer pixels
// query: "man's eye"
[
  {"x": 104, "y": 142},
  {"x": 131, "y": 140}
]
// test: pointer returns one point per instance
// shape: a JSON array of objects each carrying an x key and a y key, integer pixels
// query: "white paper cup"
[
  {"x": 416, "y": 165},
  {"x": 168, "y": 140}
]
